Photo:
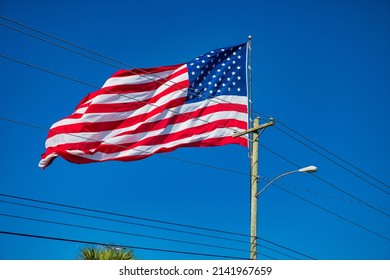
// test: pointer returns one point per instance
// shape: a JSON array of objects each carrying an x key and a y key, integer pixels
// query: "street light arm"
[
  {"x": 273, "y": 180},
  {"x": 307, "y": 169}
]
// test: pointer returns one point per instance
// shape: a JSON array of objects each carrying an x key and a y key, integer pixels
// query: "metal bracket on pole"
[{"x": 253, "y": 129}]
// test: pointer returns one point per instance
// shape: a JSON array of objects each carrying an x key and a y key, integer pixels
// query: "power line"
[
  {"x": 121, "y": 232},
  {"x": 326, "y": 195},
  {"x": 138, "y": 235},
  {"x": 267, "y": 256},
  {"x": 134, "y": 234},
  {"x": 276, "y": 251},
  {"x": 48, "y": 71},
  {"x": 277, "y": 121},
  {"x": 294, "y": 251},
  {"x": 116, "y": 245},
  {"x": 333, "y": 213},
  {"x": 333, "y": 154},
  {"x": 333, "y": 161},
  {"x": 64, "y": 41},
  {"x": 328, "y": 183},
  {"x": 147, "y": 219},
  {"x": 124, "y": 215},
  {"x": 131, "y": 234},
  {"x": 122, "y": 221}
]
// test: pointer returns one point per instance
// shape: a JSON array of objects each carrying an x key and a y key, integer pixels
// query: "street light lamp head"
[{"x": 308, "y": 169}]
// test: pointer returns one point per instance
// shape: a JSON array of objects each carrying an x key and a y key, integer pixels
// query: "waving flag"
[{"x": 140, "y": 112}]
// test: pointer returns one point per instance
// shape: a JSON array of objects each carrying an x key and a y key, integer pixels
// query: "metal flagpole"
[
  {"x": 254, "y": 134},
  {"x": 249, "y": 79},
  {"x": 253, "y": 170}
]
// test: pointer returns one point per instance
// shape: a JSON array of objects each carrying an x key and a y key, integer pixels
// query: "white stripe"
[
  {"x": 44, "y": 162},
  {"x": 134, "y": 97},
  {"x": 112, "y": 98},
  {"x": 111, "y": 137},
  {"x": 173, "y": 128},
  {"x": 118, "y": 116},
  {"x": 139, "y": 79},
  {"x": 186, "y": 108},
  {"x": 80, "y": 111},
  {"x": 102, "y": 135},
  {"x": 99, "y": 136},
  {"x": 142, "y": 150}
]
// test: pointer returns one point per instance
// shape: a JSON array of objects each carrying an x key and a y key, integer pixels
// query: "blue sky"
[{"x": 320, "y": 68}]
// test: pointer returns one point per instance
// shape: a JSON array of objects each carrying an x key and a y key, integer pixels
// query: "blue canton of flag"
[{"x": 219, "y": 72}]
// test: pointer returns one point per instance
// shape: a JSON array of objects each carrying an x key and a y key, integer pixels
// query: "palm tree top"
[{"x": 106, "y": 253}]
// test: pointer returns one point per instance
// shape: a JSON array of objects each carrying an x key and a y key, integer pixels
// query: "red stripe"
[
  {"x": 134, "y": 105},
  {"x": 135, "y": 88},
  {"x": 144, "y": 71},
  {"x": 160, "y": 124},
  {"x": 103, "y": 147},
  {"x": 107, "y": 126},
  {"x": 99, "y": 146},
  {"x": 203, "y": 143},
  {"x": 167, "y": 138}
]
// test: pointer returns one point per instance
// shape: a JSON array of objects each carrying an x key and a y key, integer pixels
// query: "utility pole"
[
  {"x": 254, "y": 186},
  {"x": 254, "y": 168}
]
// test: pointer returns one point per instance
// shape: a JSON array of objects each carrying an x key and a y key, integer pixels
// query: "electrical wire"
[
  {"x": 144, "y": 219},
  {"x": 277, "y": 121},
  {"x": 328, "y": 183},
  {"x": 134, "y": 234},
  {"x": 291, "y": 250},
  {"x": 117, "y": 245},
  {"x": 276, "y": 251},
  {"x": 139, "y": 235},
  {"x": 123, "y": 215},
  {"x": 333, "y": 154},
  {"x": 333, "y": 161},
  {"x": 330, "y": 197},
  {"x": 120, "y": 232},
  {"x": 123, "y": 222},
  {"x": 333, "y": 213}
]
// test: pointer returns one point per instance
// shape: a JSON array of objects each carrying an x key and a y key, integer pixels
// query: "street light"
[{"x": 307, "y": 169}]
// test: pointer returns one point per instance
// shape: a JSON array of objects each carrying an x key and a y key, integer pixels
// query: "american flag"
[{"x": 140, "y": 112}]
